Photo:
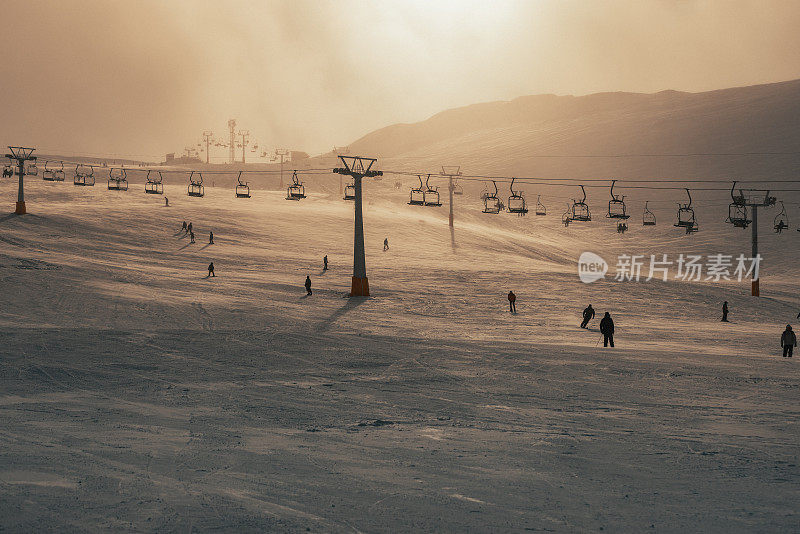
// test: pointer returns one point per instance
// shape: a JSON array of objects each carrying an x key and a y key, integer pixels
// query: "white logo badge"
[{"x": 591, "y": 267}]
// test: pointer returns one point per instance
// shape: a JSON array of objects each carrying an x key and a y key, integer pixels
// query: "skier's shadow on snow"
[
  {"x": 186, "y": 245},
  {"x": 352, "y": 304},
  {"x": 206, "y": 246}
]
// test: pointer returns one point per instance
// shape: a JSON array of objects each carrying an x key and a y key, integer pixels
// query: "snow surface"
[{"x": 137, "y": 394}]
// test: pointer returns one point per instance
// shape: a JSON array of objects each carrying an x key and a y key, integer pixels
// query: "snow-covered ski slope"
[{"x": 138, "y": 394}]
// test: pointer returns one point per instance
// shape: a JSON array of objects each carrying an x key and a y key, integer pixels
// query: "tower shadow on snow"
[{"x": 351, "y": 304}]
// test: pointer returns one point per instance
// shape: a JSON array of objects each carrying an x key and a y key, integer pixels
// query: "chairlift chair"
[
  {"x": 82, "y": 176},
  {"x": 32, "y": 170},
  {"x": 8, "y": 170},
  {"x": 648, "y": 217},
  {"x": 686, "y": 217},
  {"x": 417, "y": 196},
  {"x": 48, "y": 174},
  {"x": 58, "y": 174},
  {"x": 296, "y": 190},
  {"x": 431, "y": 196},
  {"x": 616, "y": 206},
  {"x": 781, "y": 221},
  {"x": 196, "y": 188},
  {"x": 580, "y": 210},
  {"x": 491, "y": 204},
  {"x": 516, "y": 202},
  {"x": 350, "y": 192},
  {"x": 154, "y": 186},
  {"x": 117, "y": 180},
  {"x": 737, "y": 210},
  {"x": 457, "y": 189},
  {"x": 540, "y": 209},
  {"x": 566, "y": 218},
  {"x": 242, "y": 188}
]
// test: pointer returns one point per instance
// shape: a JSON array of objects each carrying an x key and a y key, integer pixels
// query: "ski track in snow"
[{"x": 138, "y": 394}]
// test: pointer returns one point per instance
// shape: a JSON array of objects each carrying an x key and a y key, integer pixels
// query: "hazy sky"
[{"x": 141, "y": 77}]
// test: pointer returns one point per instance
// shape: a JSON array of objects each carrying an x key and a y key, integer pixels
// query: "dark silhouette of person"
[
  {"x": 621, "y": 228},
  {"x": 189, "y": 228},
  {"x": 588, "y": 315},
  {"x": 788, "y": 341},
  {"x": 210, "y": 238},
  {"x": 191, "y": 236},
  {"x": 211, "y": 269},
  {"x": 798, "y": 315},
  {"x": 166, "y": 202},
  {"x": 308, "y": 285},
  {"x": 512, "y": 302},
  {"x": 607, "y": 329},
  {"x": 184, "y": 227},
  {"x": 386, "y": 244},
  {"x": 325, "y": 263},
  {"x": 725, "y": 312}
]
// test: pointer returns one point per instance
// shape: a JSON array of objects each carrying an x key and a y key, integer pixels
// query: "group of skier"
[
  {"x": 606, "y": 325},
  {"x": 788, "y": 337}
]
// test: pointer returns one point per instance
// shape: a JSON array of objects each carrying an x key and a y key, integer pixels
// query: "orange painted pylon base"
[
  {"x": 20, "y": 208},
  {"x": 756, "y": 290},
  {"x": 360, "y": 287}
]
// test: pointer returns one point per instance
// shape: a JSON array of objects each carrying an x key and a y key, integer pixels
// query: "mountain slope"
[{"x": 545, "y": 134}]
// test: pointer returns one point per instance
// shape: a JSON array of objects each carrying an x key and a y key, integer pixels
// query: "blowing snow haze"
[{"x": 145, "y": 78}]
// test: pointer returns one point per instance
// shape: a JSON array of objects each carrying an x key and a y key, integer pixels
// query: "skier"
[
  {"x": 798, "y": 315},
  {"x": 788, "y": 341},
  {"x": 184, "y": 228},
  {"x": 725, "y": 312},
  {"x": 588, "y": 315},
  {"x": 210, "y": 238},
  {"x": 325, "y": 263},
  {"x": 308, "y": 285},
  {"x": 386, "y": 244},
  {"x": 189, "y": 228},
  {"x": 607, "y": 329},
  {"x": 191, "y": 236},
  {"x": 512, "y": 302},
  {"x": 166, "y": 202},
  {"x": 211, "y": 270}
]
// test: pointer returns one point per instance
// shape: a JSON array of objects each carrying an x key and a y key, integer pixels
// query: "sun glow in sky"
[{"x": 148, "y": 77}]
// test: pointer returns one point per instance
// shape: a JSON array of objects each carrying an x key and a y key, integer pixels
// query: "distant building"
[{"x": 170, "y": 159}]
